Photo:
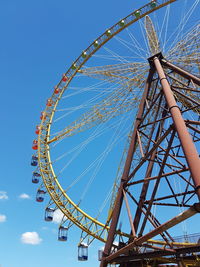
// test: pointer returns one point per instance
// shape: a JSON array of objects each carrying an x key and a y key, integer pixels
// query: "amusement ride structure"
[{"x": 118, "y": 142}]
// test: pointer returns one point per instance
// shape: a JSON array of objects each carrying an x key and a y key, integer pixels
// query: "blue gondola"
[
  {"x": 82, "y": 252},
  {"x": 34, "y": 160},
  {"x": 62, "y": 233},
  {"x": 48, "y": 214},
  {"x": 40, "y": 195},
  {"x": 35, "y": 177}
]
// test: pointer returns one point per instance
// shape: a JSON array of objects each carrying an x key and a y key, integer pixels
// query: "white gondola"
[
  {"x": 49, "y": 214},
  {"x": 62, "y": 233},
  {"x": 82, "y": 252}
]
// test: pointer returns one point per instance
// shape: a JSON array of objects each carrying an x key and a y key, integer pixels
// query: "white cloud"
[
  {"x": 31, "y": 238},
  {"x": 2, "y": 218},
  {"x": 57, "y": 216},
  {"x": 3, "y": 195},
  {"x": 24, "y": 196}
]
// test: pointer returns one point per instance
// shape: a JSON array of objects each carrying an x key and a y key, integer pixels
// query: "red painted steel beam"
[
  {"x": 153, "y": 220},
  {"x": 150, "y": 255},
  {"x": 129, "y": 214},
  {"x": 124, "y": 179},
  {"x": 180, "y": 71},
  {"x": 155, "y": 177},
  {"x": 165, "y": 226},
  {"x": 171, "y": 196},
  {"x": 157, "y": 182},
  {"x": 156, "y": 145},
  {"x": 188, "y": 146}
]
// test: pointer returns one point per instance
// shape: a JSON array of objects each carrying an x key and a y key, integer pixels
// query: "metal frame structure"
[
  {"x": 166, "y": 135},
  {"x": 88, "y": 224},
  {"x": 162, "y": 136}
]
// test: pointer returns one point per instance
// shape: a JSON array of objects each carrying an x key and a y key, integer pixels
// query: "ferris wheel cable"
[
  {"x": 84, "y": 104},
  {"x": 165, "y": 24},
  {"x": 75, "y": 108},
  {"x": 109, "y": 127},
  {"x": 103, "y": 131},
  {"x": 124, "y": 43},
  {"x": 115, "y": 124},
  {"x": 80, "y": 90},
  {"x": 180, "y": 27},
  {"x": 181, "y": 208},
  {"x": 58, "y": 132},
  {"x": 118, "y": 175},
  {"x": 182, "y": 24},
  {"x": 104, "y": 91},
  {"x": 136, "y": 44},
  {"x": 95, "y": 124},
  {"x": 133, "y": 44},
  {"x": 87, "y": 103},
  {"x": 114, "y": 68},
  {"x": 192, "y": 37},
  {"x": 86, "y": 170},
  {"x": 113, "y": 141},
  {"x": 111, "y": 112},
  {"x": 113, "y": 58},
  {"x": 187, "y": 59},
  {"x": 115, "y": 55},
  {"x": 118, "y": 75},
  {"x": 92, "y": 87},
  {"x": 162, "y": 28},
  {"x": 76, "y": 88},
  {"x": 96, "y": 85},
  {"x": 106, "y": 200},
  {"x": 84, "y": 143},
  {"x": 95, "y": 89},
  {"x": 98, "y": 96},
  {"x": 187, "y": 15},
  {"x": 103, "y": 56}
]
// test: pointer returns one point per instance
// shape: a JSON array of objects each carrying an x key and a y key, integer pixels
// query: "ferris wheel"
[{"x": 109, "y": 153}]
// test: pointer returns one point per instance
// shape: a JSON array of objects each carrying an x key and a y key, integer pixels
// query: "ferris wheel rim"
[{"x": 44, "y": 141}]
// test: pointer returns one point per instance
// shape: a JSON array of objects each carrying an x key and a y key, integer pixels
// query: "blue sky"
[{"x": 39, "y": 41}]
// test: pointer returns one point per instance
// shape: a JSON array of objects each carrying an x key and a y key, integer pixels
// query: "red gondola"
[{"x": 35, "y": 145}]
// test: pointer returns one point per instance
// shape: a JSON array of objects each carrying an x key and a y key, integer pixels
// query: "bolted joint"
[
  {"x": 196, "y": 206},
  {"x": 151, "y": 59}
]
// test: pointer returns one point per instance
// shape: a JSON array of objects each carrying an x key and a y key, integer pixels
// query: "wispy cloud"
[
  {"x": 3, "y": 195},
  {"x": 2, "y": 218},
  {"x": 31, "y": 238},
  {"x": 24, "y": 196},
  {"x": 51, "y": 230}
]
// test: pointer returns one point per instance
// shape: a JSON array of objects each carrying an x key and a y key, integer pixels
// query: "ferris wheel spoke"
[
  {"x": 178, "y": 33},
  {"x": 187, "y": 46},
  {"x": 121, "y": 101},
  {"x": 118, "y": 73}
]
